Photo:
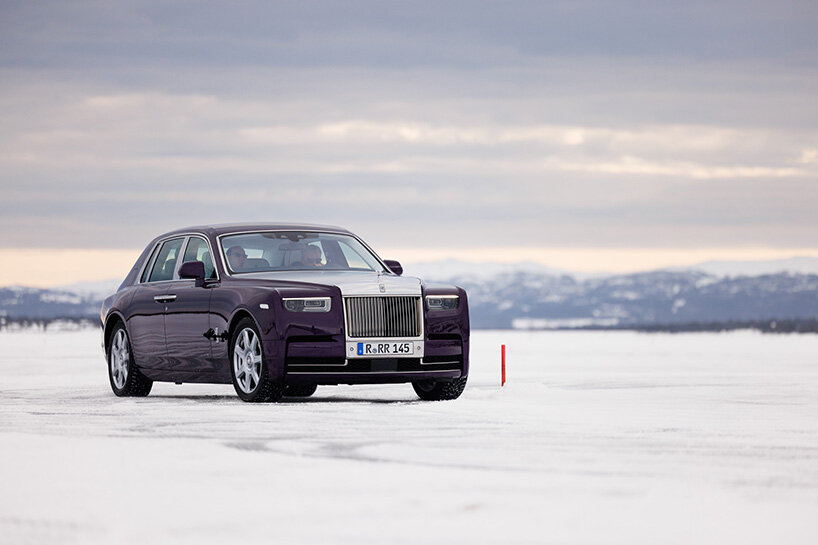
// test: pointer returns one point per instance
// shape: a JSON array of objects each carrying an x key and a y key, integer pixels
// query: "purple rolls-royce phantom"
[{"x": 277, "y": 310}]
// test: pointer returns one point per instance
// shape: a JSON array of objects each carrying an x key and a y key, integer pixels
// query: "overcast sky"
[{"x": 465, "y": 125}]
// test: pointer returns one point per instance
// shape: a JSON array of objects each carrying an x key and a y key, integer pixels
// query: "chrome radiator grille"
[{"x": 383, "y": 316}]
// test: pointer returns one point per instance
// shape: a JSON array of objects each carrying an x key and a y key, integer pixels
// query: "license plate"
[{"x": 386, "y": 349}]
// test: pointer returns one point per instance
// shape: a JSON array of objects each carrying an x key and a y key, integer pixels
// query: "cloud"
[
  {"x": 186, "y": 132},
  {"x": 575, "y": 124}
]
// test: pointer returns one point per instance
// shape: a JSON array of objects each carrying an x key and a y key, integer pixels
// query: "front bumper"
[
  {"x": 324, "y": 362},
  {"x": 323, "y": 353}
]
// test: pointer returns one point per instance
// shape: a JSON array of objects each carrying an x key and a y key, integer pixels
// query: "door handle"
[{"x": 169, "y": 298}]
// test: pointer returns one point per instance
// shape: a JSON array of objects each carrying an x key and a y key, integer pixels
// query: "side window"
[
  {"x": 166, "y": 260},
  {"x": 147, "y": 270},
  {"x": 197, "y": 250}
]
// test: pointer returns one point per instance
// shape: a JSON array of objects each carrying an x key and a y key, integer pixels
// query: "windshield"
[{"x": 296, "y": 250}]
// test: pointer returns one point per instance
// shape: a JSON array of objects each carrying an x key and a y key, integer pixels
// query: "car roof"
[{"x": 226, "y": 228}]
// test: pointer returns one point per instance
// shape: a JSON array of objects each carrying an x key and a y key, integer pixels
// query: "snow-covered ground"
[{"x": 598, "y": 437}]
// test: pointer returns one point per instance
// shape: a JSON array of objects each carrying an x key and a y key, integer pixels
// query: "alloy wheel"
[
  {"x": 120, "y": 359},
  {"x": 247, "y": 360}
]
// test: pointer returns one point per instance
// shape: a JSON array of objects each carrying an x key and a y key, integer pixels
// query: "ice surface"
[{"x": 598, "y": 437}]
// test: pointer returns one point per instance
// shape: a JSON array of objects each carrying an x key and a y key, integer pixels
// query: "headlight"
[
  {"x": 308, "y": 304},
  {"x": 442, "y": 302}
]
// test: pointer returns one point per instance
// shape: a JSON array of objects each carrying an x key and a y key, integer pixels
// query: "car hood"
[{"x": 349, "y": 282}]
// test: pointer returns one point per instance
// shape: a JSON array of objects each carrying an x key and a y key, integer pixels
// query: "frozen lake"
[{"x": 598, "y": 437}]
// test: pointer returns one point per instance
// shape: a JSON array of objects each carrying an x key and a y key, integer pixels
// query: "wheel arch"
[
  {"x": 237, "y": 317},
  {"x": 114, "y": 318}
]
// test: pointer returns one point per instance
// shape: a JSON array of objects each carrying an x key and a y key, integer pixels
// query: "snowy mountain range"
[
  {"x": 37, "y": 303},
  {"x": 529, "y": 295},
  {"x": 802, "y": 265},
  {"x": 455, "y": 268},
  {"x": 525, "y": 300}
]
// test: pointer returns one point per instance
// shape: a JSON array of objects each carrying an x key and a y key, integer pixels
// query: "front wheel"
[
  {"x": 247, "y": 367},
  {"x": 439, "y": 390},
  {"x": 125, "y": 378}
]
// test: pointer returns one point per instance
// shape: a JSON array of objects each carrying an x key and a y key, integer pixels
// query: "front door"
[
  {"x": 186, "y": 322},
  {"x": 187, "y": 317}
]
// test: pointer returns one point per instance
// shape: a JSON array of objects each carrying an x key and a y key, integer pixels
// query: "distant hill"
[
  {"x": 540, "y": 299},
  {"x": 456, "y": 268},
  {"x": 802, "y": 265},
  {"x": 450, "y": 268},
  {"x": 98, "y": 290},
  {"x": 525, "y": 300},
  {"x": 21, "y": 302}
]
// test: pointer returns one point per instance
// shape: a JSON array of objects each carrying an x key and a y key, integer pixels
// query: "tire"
[
  {"x": 247, "y": 366},
  {"x": 300, "y": 390},
  {"x": 125, "y": 378},
  {"x": 439, "y": 390}
]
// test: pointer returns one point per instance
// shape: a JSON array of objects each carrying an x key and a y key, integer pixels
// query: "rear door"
[{"x": 146, "y": 321}]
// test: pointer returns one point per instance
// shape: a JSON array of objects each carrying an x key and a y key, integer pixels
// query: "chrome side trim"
[
  {"x": 365, "y": 373},
  {"x": 346, "y": 362}
]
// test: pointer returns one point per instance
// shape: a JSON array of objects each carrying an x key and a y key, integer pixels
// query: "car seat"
[{"x": 167, "y": 270}]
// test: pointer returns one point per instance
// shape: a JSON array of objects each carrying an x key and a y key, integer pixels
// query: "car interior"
[{"x": 280, "y": 251}]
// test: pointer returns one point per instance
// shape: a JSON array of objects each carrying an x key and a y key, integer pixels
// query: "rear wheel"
[
  {"x": 247, "y": 367},
  {"x": 300, "y": 390},
  {"x": 439, "y": 390},
  {"x": 125, "y": 378}
]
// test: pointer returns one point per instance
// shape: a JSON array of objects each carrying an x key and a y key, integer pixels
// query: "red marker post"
[{"x": 503, "y": 364}]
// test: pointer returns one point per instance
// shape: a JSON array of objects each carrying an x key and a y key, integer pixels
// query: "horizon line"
[{"x": 35, "y": 266}]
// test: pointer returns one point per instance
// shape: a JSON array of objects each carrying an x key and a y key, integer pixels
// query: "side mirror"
[
  {"x": 193, "y": 269},
  {"x": 394, "y": 266}
]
